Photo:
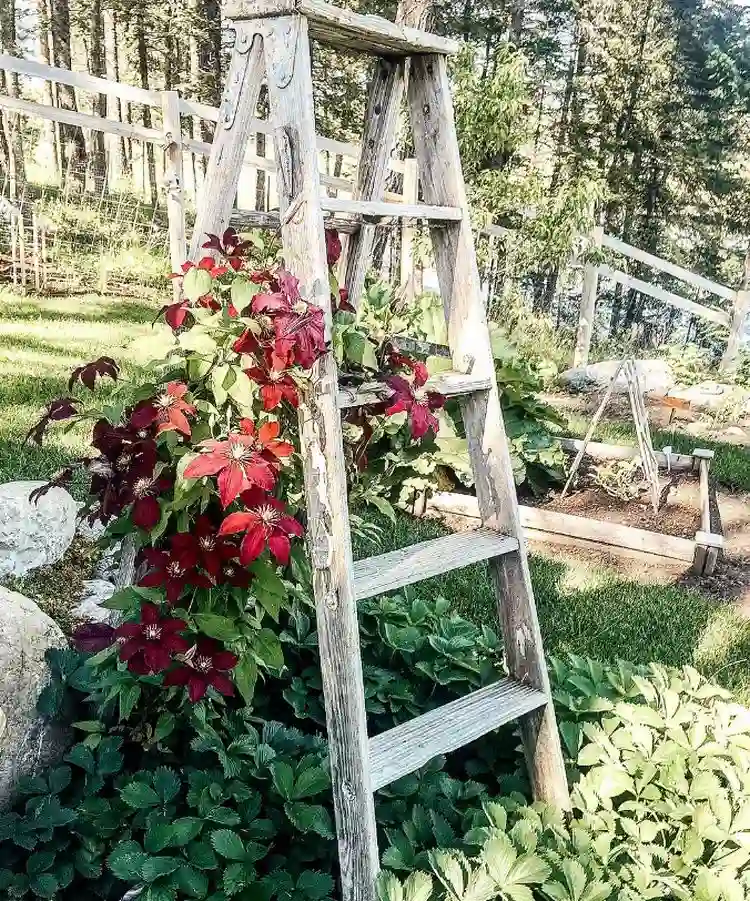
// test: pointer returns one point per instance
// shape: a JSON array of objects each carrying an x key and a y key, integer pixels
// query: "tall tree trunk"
[
  {"x": 50, "y": 132},
  {"x": 211, "y": 51},
  {"x": 115, "y": 146},
  {"x": 73, "y": 156},
  {"x": 13, "y": 145},
  {"x": 98, "y": 68},
  {"x": 143, "y": 74}
]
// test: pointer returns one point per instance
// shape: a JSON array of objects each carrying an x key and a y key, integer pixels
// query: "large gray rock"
[
  {"x": 33, "y": 535},
  {"x": 95, "y": 593},
  {"x": 655, "y": 377},
  {"x": 28, "y": 743}
]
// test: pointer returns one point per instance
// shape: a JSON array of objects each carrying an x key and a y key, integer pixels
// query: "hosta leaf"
[
  {"x": 126, "y": 861},
  {"x": 139, "y": 795},
  {"x": 228, "y": 844}
]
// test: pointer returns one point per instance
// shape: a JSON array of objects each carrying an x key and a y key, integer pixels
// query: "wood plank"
[
  {"x": 81, "y": 120},
  {"x": 80, "y": 80},
  {"x": 441, "y": 175},
  {"x": 588, "y": 304},
  {"x": 602, "y": 451},
  {"x": 386, "y": 572},
  {"x": 685, "y": 275},
  {"x": 173, "y": 178},
  {"x": 707, "y": 543},
  {"x": 407, "y": 268},
  {"x": 246, "y": 219},
  {"x": 246, "y": 71},
  {"x": 382, "y": 210},
  {"x": 675, "y": 300},
  {"x": 407, "y": 747},
  {"x": 449, "y": 384},
  {"x": 347, "y": 30},
  {"x": 740, "y": 309},
  {"x": 550, "y": 521},
  {"x": 329, "y": 541}
]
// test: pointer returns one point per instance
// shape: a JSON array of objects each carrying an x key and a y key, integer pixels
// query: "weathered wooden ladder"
[{"x": 273, "y": 36}]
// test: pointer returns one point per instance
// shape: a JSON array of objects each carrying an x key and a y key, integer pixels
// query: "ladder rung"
[
  {"x": 448, "y": 383},
  {"x": 381, "y": 209},
  {"x": 376, "y": 575},
  {"x": 405, "y": 748},
  {"x": 348, "y": 30}
]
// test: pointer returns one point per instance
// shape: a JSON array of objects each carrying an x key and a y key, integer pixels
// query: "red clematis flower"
[
  {"x": 232, "y": 572},
  {"x": 168, "y": 410},
  {"x": 204, "y": 546},
  {"x": 237, "y": 463},
  {"x": 172, "y": 572},
  {"x": 265, "y": 522},
  {"x": 230, "y": 246},
  {"x": 276, "y": 384},
  {"x": 333, "y": 246},
  {"x": 267, "y": 441},
  {"x": 148, "y": 645},
  {"x": 88, "y": 373},
  {"x": 418, "y": 404},
  {"x": 400, "y": 361},
  {"x": 206, "y": 665},
  {"x": 303, "y": 334},
  {"x": 146, "y": 511}
]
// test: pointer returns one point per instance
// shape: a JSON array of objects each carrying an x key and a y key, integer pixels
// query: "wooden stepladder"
[{"x": 272, "y": 36}]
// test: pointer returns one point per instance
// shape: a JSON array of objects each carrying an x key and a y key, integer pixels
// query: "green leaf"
[
  {"x": 139, "y": 795},
  {"x": 228, "y": 844},
  {"x": 315, "y": 886},
  {"x": 192, "y": 882},
  {"x": 245, "y": 675},
  {"x": 216, "y": 383},
  {"x": 235, "y": 879},
  {"x": 198, "y": 340},
  {"x": 184, "y": 830},
  {"x": 158, "y": 837},
  {"x": 310, "y": 782},
  {"x": 164, "y": 726},
  {"x": 59, "y": 778},
  {"x": 242, "y": 292},
  {"x": 196, "y": 283},
  {"x": 127, "y": 600},
  {"x": 202, "y": 855},
  {"x": 89, "y": 726},
  {"x": 418, "y": 887},
  {"x": 220, "y": 627},
  {"x": 39, "y": 862},
  {"x": 310, "y": 818},
  {"x": 126, "y": 861},
  {"x": 129, "y": 696},
  {"x": 166, "y": 783},
  {"x": 44, "y": 886},
  {"x": 242, "y": 390},
  {"x": 388, "y": 887},
  {"x": 268, "y": 649},
  {"x": 155, "y": 867},
  {"x": 81, "y": 756},
  {"x": 160, "y": 892},
  {"x": 283, "y": 779}
]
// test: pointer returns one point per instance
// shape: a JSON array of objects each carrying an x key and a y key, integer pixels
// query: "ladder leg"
[
  {"x": 439, "y": 163},
  {"x": 233, "y": 129},
  {"x": 292, "y": 115}
]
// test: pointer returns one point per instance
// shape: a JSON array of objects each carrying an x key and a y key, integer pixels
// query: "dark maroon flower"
[
  {"x": 169, "y": 410},
  {"x": 202, "y": 546},
  {"x": 229, "y": 245},
  {"x": 333, "y": 246},
  {"x": 175, "y": 314},
  {"x": 87, "y": 374},
  {"x": 144, "y": 491},
  {"x": 418, "y": 403},
  {"x": 90, "y": 638},
  {"x": 303, "y": 334},
  {"x": 57, "y": 410},
  {"x": 342, "y": 305},
  {"x": 401, "y": 361},
  {"x": 172, "y": 573},
  {"x": 206, "y": 665},
  {"x": 266, "y": 522},
  {"x": 232, "y": 571},
  {"x": 149, "y": 645}
]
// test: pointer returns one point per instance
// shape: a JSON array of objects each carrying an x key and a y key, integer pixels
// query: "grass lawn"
[{"x": 583, "y": 609}]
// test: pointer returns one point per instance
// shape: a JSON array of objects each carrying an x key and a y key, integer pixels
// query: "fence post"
[
  {"x": 740, "y": 310},
  {"x": 410, "y": 192},
  {"x": 588, "y": 303},
  {"x": 173, "y": 176}
]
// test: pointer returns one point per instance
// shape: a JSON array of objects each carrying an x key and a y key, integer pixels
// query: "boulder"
[
  {"x": 33, "y": 534},
  {"x": 95, "y": 592},
  {"x": 655, "y": 376},
  {"x": 28, "y": 742}
]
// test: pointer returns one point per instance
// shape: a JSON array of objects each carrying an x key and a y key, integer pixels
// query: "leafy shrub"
[{"x": 619, "y": 478}]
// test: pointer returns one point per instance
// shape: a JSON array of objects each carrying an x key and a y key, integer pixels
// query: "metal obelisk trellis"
[{"x": 273, "y": 38}]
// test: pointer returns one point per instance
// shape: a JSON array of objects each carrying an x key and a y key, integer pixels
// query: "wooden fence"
[{"x": 734, "y": 321}]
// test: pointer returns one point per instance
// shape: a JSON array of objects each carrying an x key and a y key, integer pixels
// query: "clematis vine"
[{"x": 266, "y": 523}]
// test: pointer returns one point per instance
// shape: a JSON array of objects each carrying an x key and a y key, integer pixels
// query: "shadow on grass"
[{"x": 593, "y": 612}]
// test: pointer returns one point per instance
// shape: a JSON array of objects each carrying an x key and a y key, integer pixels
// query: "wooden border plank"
[
  {"x": 598, "y": 450},
  {"x": 378, "y": 209},
  {"x": 675, "y": 300},
  {"x": 685, "y": 275}
]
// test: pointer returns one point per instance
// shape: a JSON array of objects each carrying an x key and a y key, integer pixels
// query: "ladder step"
[
  {"x": 376, "y": 575},
  {"x": 405, "y": 748},
  {"x": 381, "y": 209},
  {"x": 345, "y": 29},
  {"x": 449, "y": 384}
]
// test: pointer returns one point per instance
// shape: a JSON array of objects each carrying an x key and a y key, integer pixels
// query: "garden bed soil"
[{"x": 676, "y": 517}]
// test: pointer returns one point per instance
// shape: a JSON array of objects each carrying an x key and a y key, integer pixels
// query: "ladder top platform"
[{"x": 345, "y": 29}]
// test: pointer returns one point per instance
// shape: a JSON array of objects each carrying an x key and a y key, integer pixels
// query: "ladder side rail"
[
  {"x": 439, "y": 164},
  {"x": 287, "y": 54}
]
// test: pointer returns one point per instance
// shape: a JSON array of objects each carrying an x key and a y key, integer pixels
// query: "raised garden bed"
[{"x": 593, "y": 520}]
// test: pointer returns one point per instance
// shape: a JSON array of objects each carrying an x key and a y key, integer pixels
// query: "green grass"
[
  {"x": 730, "y": 466},
  {"x": 41, "y": 340},
  {"x": 584, "y": 609},
  {"x": 593, "y": 611}
]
